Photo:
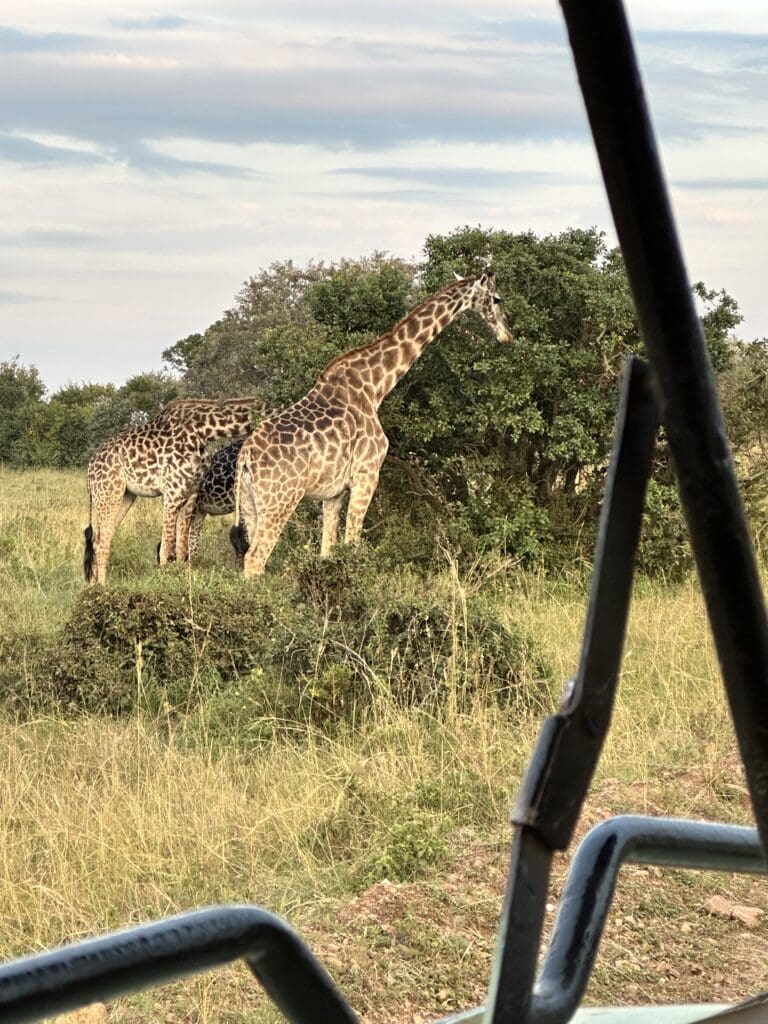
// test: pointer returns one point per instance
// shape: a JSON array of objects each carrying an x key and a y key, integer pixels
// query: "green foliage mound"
[{"x": 321, "y": 644}]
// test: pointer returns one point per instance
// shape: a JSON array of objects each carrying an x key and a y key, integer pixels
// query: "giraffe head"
[{"x": 486, "y": 302}]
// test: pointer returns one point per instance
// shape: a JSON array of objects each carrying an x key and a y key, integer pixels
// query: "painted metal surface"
[
  {"x": 153, "y": 954},
  {"x": 616, "y": 1015}
]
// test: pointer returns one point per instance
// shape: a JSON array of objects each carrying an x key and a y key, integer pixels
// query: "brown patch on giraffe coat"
[{"x": 390, "y": 358}]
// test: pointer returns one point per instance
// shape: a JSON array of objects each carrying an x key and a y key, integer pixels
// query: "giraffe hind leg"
[
  {"x": 110, "y": 515},
  {"x": 265, "y": 531},
  {"x": 331, "y": 514},
  {"x": 195, "y": 529}
]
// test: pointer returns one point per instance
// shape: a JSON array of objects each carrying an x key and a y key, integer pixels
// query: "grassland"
[{"x": 385, "y": 841}]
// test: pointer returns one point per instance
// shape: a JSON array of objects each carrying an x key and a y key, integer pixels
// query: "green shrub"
[{"x": 320, "y": 643}]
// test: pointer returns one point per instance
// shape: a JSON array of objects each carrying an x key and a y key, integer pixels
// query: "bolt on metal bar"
[{"x": 613, "y": 94}]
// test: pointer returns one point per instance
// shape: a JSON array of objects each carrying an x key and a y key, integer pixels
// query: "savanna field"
[
  {"x": 340, "y": 746},
  {"x": 342, "y": 741}
]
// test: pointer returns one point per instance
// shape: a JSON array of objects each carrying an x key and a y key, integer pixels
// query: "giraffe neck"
[{"x": 376, "y": 368}]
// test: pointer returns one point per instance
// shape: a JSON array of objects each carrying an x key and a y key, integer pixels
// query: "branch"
[{"x": 419, "y": 485}]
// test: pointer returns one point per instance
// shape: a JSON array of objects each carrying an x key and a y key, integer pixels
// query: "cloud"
[
  {"x": 12, "y": 298},
  {"x": 328, "y": 108},
  {"x": 461, "y": 178},
  {"x": 54, "y": 238},
  {"x": 723, "y": 184},
  {"x": 145, "y": 158},
  {"x": 497, "y": 80},
  {"x": 20, "y": 150},
  {"x": 160, "y": 23},
  {"x": 16, "y": 41}
]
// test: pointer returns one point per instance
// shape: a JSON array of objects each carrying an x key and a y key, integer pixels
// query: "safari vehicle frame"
[{"x": 677, "y": 389}]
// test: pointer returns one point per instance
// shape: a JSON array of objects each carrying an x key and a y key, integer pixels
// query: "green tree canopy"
[
  {"x": 135, "y": 402},
  {"x": 21, "y": 394}
]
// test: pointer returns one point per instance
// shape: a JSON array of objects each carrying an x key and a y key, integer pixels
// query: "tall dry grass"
[{"x": 111, "y": 822}]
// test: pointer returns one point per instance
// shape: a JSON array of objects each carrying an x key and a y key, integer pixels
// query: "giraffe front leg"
[
  {"x": 360, "y": 497},
  {"x": 331, "y": 513}
]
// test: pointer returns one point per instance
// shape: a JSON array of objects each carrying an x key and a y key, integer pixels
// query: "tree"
[
  {"x": 59, "y": 432},
  {"x": 21, "y": 394},
  {"x": 288, "y": 322},
  {"x": 225, "y": 359},
  {"x": 363, "y": 297},
  {"x": 517, "y": 438},
  {"x": 135, "y": 402}
]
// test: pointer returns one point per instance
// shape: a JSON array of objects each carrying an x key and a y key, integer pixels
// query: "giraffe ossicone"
[
  {"x": 331, "y": 440},
  {"x": 166, "y": 456}
]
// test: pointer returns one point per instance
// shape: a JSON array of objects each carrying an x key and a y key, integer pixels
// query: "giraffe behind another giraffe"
[
  {"x": 331, "y": 440},
  {"x": 167, "y": 456}
]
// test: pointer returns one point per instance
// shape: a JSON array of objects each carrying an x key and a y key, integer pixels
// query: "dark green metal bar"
[
  {"x": 153, "y": 954},
  {"x": 621, "y": 125},
  {"x": 570, "y": 742}
]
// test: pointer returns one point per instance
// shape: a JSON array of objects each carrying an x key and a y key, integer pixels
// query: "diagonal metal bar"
[
  {"x": 591, "y": 883},
  {"x": 570, "y": 742},
  {"x": 618, "y": 114},
  {"x": 126, "y": 961}
]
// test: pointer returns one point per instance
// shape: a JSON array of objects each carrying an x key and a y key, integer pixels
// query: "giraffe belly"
[
  {"x": 328, "y": 482},
  {"x": 216, "y": 506},
  {"x": 326, "y": 493},
  {"x": 142, "y": 488}
]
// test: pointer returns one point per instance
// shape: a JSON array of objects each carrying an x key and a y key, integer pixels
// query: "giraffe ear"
[{"x": 458, "y": 276}]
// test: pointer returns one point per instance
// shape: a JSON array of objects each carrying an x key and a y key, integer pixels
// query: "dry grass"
[{"x": 112, "y": 822}]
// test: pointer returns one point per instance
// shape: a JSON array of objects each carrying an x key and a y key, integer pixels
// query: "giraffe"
[
  {"x": 331, "y": 440},
  {"x": 166, "y": 456},
  {"x": 216, "y": 494}
]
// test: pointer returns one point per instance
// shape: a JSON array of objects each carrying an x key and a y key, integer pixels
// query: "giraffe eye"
[{"x": 497, "y": 299}]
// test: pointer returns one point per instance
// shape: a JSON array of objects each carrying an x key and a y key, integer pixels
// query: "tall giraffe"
[
  {"x": 331, "y": 440},
  {"x": 166, "y": 456}
]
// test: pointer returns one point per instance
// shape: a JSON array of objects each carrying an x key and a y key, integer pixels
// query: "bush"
[{"x": 320, "y": 644}]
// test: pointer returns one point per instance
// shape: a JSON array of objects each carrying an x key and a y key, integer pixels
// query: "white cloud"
[{"x": 152, "y": 161}]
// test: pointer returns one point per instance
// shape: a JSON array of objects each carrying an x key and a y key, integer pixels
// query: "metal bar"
[
  {"x": 136, "y": 958},
  {"x": 591, "y": 884},
  {"x": 570, "y": 742},
  {"x": 589, "y": 890},
  {"x": 621, "y": 126}
]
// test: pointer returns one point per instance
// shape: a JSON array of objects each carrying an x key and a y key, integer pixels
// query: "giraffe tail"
[
  {"x": 237, "y": 534},
  {"x": 90, "y": 554},
  {"x": 89, "y": 557}
]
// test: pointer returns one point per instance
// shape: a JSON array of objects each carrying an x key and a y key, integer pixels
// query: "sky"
[{"x": 154, "y": 156}]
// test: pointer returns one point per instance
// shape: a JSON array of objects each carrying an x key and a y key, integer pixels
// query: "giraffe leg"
[
  {"x": 172, "y": 506},
  {"x": 184, "y": 529},
  {"x": 331, "y": 513},
  {"x": 360, "y": 496},
  {"x": 265, "y": 532},
  {"x": 110, "y": 514},
  {"x": 195, "y": 528}
]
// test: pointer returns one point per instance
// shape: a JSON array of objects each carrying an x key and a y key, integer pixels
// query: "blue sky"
[{"x": 153, "y": 156}]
